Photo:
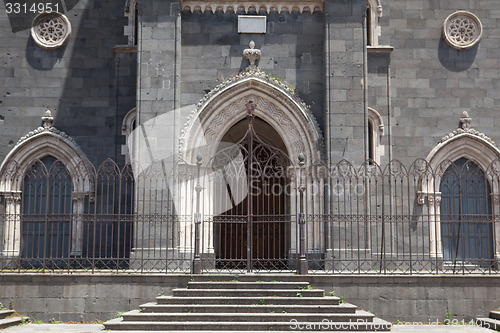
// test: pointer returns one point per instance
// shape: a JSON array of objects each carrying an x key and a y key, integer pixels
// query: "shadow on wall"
[
  {"x": 456, "y": 60},
  {"x": 42, "y": 59}
]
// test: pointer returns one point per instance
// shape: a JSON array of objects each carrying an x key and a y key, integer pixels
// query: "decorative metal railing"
[{"x": 279, "y": 215}]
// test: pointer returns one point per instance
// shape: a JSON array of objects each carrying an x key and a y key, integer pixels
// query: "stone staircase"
[
  {"x": 6, "y": 319},
  {"x": 493, "y": 322},
  {"x": 247, "y": 306}
]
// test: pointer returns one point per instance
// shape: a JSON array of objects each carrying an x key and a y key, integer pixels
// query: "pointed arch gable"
[
  {"x": 37, "y": 145},
  {"x": 276, "y": 103},
  {"x": 467, "y": 145},
  {"x": 463, "y": 142}
]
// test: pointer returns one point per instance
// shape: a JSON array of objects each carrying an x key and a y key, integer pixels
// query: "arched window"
[
  {"x": 375, "y": 132},
  {"x": 46, "y": 173},
  {"x": 456, "y": 183},
  {"x": 373, "y": 12},
  {"x": 128, "y": 126},
  {"x": 46, "y": 193},
  {"x": 466, "y": 215},
  {"x": 132, "y": 29}
]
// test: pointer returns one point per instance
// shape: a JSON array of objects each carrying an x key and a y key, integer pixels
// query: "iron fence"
[{"x": 251, "y": 208}]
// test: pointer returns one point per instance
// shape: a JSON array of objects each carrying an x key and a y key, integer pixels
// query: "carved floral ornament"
[
  {"x": 465, "y": 121},
  {"x": 462, "y": 30},
  {"x": 47, "y": 120},
  {"x": 50, "y": 30}
]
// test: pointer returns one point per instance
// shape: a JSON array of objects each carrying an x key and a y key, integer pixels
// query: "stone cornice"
[{"x": 248, "y": 6}]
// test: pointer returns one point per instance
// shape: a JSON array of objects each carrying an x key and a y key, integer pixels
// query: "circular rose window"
[
  {"x": 462, "y": 30},
  {"x": 50, "y": 30}
]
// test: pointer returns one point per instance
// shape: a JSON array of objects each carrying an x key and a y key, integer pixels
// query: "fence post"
[
  {"x": 303, "y": 265},
  {"x": 197, "y": 220}
]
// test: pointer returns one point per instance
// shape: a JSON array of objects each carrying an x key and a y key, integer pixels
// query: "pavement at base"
[{"x": 94, "y": 328}]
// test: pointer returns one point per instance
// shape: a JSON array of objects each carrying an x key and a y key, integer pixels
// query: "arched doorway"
[
  {"x": 279, "y": 113},
  {"x": 466, "y": 215},
  {"x": 251, "y": 197}
]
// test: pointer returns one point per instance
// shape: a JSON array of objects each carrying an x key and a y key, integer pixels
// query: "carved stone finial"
[
  {"x": 464, "y": 127},
  {"x": 465, "y": 120},
  {"x": 252, "y": 54},
  {"x": 47, "y": 119}
]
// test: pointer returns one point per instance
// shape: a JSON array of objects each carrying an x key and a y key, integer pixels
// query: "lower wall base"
[{"x": 101, "y": 297}]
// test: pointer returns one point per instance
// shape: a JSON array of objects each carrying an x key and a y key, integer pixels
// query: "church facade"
[{"x": 332, "y": 136}]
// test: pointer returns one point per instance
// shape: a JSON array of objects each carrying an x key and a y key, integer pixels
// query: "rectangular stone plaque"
[{"x": 251, "y": 24}]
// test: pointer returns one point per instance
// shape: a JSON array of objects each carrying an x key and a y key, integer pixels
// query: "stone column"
[
  {"x": 12, "y": 225},
  {"x": 77, "y": 224},
  {"x": 495, "y": 199},
  {"x": 434, "y": 209}
]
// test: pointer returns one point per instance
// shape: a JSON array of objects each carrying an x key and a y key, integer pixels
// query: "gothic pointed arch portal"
[
  {"x": 251, "y": 197},
  {"x": 248, "y": 203}
]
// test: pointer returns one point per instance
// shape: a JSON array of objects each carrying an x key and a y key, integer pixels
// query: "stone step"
[
  {"x": 247, "y": 306},
  {"x": 136, "y": 315},
  {"x": 120, "y": 325},
  {"x": 184, "y": 292},
  {"x": 8, "y": 322},
  {"x": 327, "y": 300},
  {"x": 490, "y": 323},
  {"x": 6, "y": 313},
  {"x": 495, "y": 315},
  {"x": 247, "y": 285},
  {"x": 256, "y": 308}
]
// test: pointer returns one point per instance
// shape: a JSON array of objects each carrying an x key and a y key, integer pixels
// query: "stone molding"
[{"x": 247, "y": 6}]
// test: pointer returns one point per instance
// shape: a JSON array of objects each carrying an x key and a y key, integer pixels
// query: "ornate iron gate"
[{"x": 249, "y": 193}]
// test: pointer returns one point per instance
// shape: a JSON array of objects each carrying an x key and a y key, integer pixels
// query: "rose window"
[
  {"x": 462, "y": 30},
  {"x": 50, "y": 30}
]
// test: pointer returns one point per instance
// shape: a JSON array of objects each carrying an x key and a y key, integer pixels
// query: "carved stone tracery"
[
  {"x": 462, "y": 30},
  {"x": 50, "y": 30}
]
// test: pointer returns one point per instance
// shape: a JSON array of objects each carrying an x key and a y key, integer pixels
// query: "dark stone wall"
[
  {"x": 85, "y": 84},
  {"x": 432, "y": 83},
  {"x": 292, "y": 49}
]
